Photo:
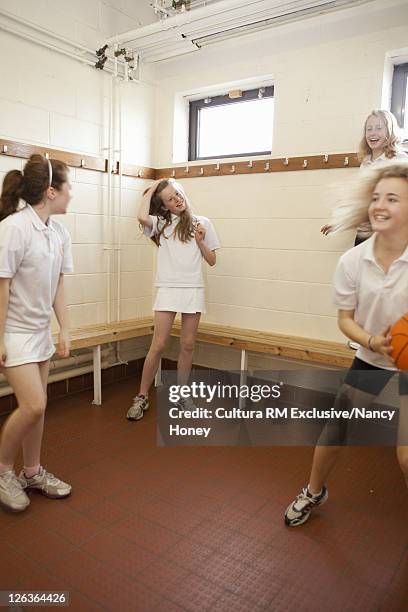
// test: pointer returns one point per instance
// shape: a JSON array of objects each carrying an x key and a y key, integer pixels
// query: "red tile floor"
[{"x": 172, "y": 529}]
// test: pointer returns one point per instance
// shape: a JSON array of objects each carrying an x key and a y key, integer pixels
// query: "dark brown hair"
[
  {"x": 185, "y": 228},
  {"x": 30, "y": 184}
]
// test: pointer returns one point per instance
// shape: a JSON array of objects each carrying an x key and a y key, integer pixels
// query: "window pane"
[{"x": 244, "y": 127}]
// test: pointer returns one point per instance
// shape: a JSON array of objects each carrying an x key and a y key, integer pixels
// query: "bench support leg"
[
  {"x": 158, "y": 377},
  {"x": 243, "y": 375},
  {"x": 97, "y": 375}
]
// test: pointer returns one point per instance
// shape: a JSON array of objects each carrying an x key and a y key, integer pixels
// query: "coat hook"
[
  {"x": 232, "y": 169},
  {"x": 114, "y": 168},
  {"x": 286, "y": 162},
  {"x": 173, "y": 173},
  {"x": 201, "y": 171},
  {"x": 217, "y": 166},
  {"x": 5, "y": 148},
  {"x": 304, "y": 163},
  {"x": 82, "y": 163},
  {"x": 187, "y": 169},
  {"x": 250, "y": 164},
  {"x": 267, "y": 166},
  {"x": 326, "y": 158},
  {"x": 47, "y": 156},
  {"x": 346, "y": 161},
  {"x": 140, "y": 173}
]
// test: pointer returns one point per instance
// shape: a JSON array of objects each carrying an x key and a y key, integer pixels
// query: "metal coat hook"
[
  {"x": 5, "y": 148},
  {"x": 173, "y": 173},
  {"x": 232, "y": 169},
  {"x": 217, "y": 166},
  {"x": 187, "y": 169},
  {"x": 304, "y": 163},
  {"x": 346, "y": 161},
  {"x": 140, "y": 173},
  {"x": 250, "y": 164},
  {"x": 286, "y": 162},
  {"x": 47, "y": 156},
  {"x": 82, "y": 163},
  {"x": 326, "y": 158},
  {"x": 267, "y": 166},
  {"x": 201, "y": 171}
]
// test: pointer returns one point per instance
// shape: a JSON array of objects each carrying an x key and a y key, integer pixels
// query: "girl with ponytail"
[{"x": 35, "y": 253}]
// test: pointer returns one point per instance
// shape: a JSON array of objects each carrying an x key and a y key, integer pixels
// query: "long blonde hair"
[
  {"x": 185, "y": 229},
  {"x": 391, "y": 148},
  {"x": 350, "y": 202}
]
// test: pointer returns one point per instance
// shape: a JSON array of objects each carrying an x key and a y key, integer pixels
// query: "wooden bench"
[
  {"x": 331, "y": 354},
  {"x": 93, "y": 336}
]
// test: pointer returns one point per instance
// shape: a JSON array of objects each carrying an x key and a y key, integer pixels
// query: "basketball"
[{"x": 399, "y": 343}]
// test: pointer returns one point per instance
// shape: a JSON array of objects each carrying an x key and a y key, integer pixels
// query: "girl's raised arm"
[{"x": 143, "y": 212}]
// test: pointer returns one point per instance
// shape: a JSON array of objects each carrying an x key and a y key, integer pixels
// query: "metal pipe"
[
  {"x": 63, "y": 39},
  {"x": 57, "y": 376},
  {"x": 119, "y": 215},
  {"x": 181, "y": 19}
]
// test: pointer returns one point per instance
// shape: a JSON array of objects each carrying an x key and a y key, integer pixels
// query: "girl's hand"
[
  {"x": 3, "y": 354},
  {"x": 326, "y": 229},
  {"x": 64, "y": 344},
  {"x": 382, "y": 343},
  {"x": 151, "y": 189},
  {"x": 199, "y": 233}
]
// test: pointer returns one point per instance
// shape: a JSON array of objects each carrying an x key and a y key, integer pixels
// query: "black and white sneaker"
[{"x": 299, "y": 510}]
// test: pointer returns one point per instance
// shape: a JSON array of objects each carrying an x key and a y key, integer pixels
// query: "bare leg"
[
  {"x": 402, "y": 443},
  {"x": 27, "y": 385},
  {"x": 163, "y": 321},
  {"x": 325, "y": 457},
  {"x": 189, "y": 326},
  {"x": 32, "y": 441}
]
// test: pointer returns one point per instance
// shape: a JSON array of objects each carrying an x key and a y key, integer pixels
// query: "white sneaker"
[
  {"x": 137, "y": 409},
  {"x": 46, "y": 483},
  {"x": 12, "y": 496},
  {"x": 186, "y": 403}
]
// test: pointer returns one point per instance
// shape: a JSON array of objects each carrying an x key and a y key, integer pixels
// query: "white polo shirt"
[
  {"x": 32, "y": 255},
  {"x": 379, "y": 299},
  {"x": 179, "y": 264}
]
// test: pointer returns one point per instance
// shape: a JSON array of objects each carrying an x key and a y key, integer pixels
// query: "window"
[
  {"x": 237, "y": 124},
  {"x": 399, "y": 102}
]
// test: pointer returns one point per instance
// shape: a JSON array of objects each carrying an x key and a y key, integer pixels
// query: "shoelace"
[
  {"x": 12, "y": 483},
  {"x": 303, "y": 498},
  {"x": 47, "y": 476}
]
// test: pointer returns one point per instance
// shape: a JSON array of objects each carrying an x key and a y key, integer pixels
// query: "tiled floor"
[{"x": 169, "y": 529}]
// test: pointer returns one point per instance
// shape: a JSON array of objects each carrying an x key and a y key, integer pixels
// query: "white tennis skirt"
[
  {"x": 180, "y": 299},
  {"x": 28, "y": 347}
]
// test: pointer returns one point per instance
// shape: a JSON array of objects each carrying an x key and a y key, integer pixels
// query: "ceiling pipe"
[{"x": 182, "y": 19}]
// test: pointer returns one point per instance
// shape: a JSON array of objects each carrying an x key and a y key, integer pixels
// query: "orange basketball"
[{"x": 399, "y": 342}]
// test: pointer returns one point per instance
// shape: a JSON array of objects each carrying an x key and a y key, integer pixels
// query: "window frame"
[
  {"x": 194, "y": 110},
  {"x": 398, "y": 95}
]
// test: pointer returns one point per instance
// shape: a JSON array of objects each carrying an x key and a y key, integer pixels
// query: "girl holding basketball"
[
  {"x": 370, "y": 293},
  {"x": 35, "y": 253},
  {"x": 183, "y": 241},
  {"x": 379, "y": 144}
]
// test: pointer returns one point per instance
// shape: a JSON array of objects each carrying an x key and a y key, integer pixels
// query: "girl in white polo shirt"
[
  {"x": 380, "y": 143},
  {"x": 370, "y": 292},
  {"x": 183, "y": 241},
  {"x": 35, "y": 252}
]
